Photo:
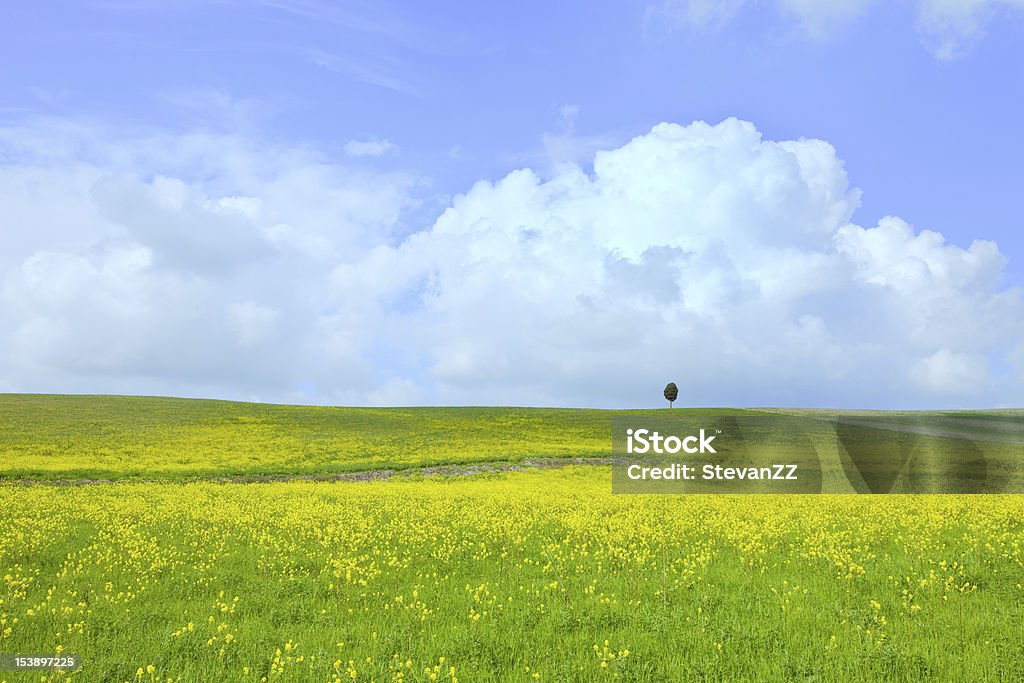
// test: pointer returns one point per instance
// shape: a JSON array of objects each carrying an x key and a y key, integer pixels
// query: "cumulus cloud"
[
  {"x": 183, "y": 264},
  {"x": 699, "y": 253},
  {"x": 702, "y": 254},
  {"x": 949, "y": 28},
  {"x": 370, "y": 148}
]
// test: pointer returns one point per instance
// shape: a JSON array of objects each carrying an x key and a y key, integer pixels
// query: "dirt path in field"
[{"x": 461, "y": 470}]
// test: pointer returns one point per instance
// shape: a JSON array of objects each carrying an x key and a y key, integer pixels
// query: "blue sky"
[{"x": 398, "y": 109}]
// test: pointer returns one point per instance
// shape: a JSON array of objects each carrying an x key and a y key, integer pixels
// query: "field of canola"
[
  {"x": 140, "y": 437},
  {"x": 540, "y": 575}
]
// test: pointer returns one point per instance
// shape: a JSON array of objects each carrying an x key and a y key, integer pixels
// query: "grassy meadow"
[
  {"x": 524, "y": 576},
  {"x": 118, "y": 437},
  {"x": 539, "y": 574}
]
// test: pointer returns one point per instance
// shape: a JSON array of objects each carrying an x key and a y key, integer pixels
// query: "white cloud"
[
  {"x": 383, "y": 74},
  {"x": 949, "y": 28},
  {"x": 703, "y": 254},
  {"x": 816, "y": 17},
  {"x": 820, "y": 18},
  {"x": 212, "y": 106},
  {"x": 568, "y": 113},
  {"x": 191, "y": 264},
  {"x": 952, "y": 27},
  {"x": 396, "y": 392},
  {"x": 696, "y": 13},
  {"x": 947, "y": 372},
  {"x": 565, "y": 145},
  {"x": 253, "y": 322},
  {"x": 370, "y": 148},
  {"x": 700, "y": 254},
  {"x": 1017, "y": 360}
]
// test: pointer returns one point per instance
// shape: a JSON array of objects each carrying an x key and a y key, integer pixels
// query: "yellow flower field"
[
  {"x": 540, "y": 575},
  {"x": 124, "y": 437}
]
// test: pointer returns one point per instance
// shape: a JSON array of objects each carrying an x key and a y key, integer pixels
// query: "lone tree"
[{"x": 671, "y": 393}]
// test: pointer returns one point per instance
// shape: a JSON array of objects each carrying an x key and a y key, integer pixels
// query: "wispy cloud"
[
  {"x": 378, "y": 39},
  {"x": 362, "y": 71},
  {"x": 217, "y": 107},
  {"x": 333, "y": 14},
  {"x": 370, "y": 148},
  {"x": 564, "y": 144},
  {"x": 948, "y": 28}
]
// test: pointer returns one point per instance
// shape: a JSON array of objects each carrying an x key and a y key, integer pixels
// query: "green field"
[
  {"x": 505, "y": 576},
  {"x": 117, "y": 437},
  {"x": 540, "y": 574}
]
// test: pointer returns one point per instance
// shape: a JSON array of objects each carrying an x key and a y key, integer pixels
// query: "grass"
[
  {"x": 513, "y": 577},
  {"x": 115, "y": 437},
  {"x": 119, "y": 437},
  {"x": 518, "y": 576}
]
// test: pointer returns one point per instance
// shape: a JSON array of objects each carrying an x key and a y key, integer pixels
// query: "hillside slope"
[{"x": 117, "y": 437}]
